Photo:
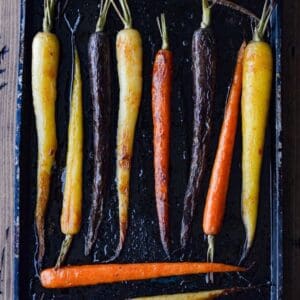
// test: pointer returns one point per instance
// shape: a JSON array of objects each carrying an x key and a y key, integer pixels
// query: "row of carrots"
[{"x": 252, "y": 82}]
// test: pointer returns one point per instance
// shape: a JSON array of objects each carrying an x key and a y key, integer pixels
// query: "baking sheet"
[{"x": 143, "y": 242}]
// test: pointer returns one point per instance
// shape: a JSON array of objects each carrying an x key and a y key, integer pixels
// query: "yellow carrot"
[
  {"x": 256, "y": 94},
  {"x": 45, "y": 60},
  {"x": 72, "y": 202},
  {"x": 130, "y": 64}
]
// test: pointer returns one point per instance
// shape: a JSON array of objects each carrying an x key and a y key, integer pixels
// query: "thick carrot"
[
  {"x": 72, "y": 276},
  {"x": 130, "y": 64},
  {"x": 45, "y": 59},
  {"x": 218, "y": 186},
  {"x": 72, "y": 202},
  {"x": 256, "y": 94},
  {"x": 161, "y": 95}
]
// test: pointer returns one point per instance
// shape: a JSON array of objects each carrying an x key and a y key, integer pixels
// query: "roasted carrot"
[
  {"x": 100, "y": 87},
  {"x": 72, "y": 276},
  {"x": 70, "y": 220},
  {"x": 218, "y": 186},
  {"x": 130, "y": 64},
  {"x": 204, "y": 295},
  {"x": 161, "y": 95},
  {"x": 256, "y": 94},
  {"x": 45, "y": 60},
  {"x": 204, "y": 82}
]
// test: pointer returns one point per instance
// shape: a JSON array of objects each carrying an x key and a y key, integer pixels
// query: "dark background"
[{"x": 291, "y": 110}]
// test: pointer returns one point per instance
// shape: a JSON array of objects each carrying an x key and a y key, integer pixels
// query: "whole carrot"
[
  {"x": 204, "y": 82},
  {"x": 130, "y": 65},
  {"x": 161, "y": 95},
  {"x": 256, "y": 94},
  {"x": 100, "y": 86},
  {"x": 218, "y": 186},
  {"x": 70, "y": 221},
  {"x": 45, "y": 60},
  {"x": 85, "y": 275}
]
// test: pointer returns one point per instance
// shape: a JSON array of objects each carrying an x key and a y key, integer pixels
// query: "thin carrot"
[
  {"x": 130, "y": 65},
  {"x": 85, "y": 275},
  {"x": 256, "y": 95},
  {"x": 70, "y": 221},
  {"x": 218, "y": 186},
  {"x": 161, "y": 94}
]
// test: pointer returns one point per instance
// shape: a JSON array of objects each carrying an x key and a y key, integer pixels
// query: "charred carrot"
[
  {"x": 45, "y": 59},
  {"x": 70, "y": 220},
  {"x": 204, "y": 77},
  {"x": 256, "y": 94},
  {"x": 100, "y": 86},
  {"x": 161, "y": 95},
  {"x": 130, "y": 64},
  {"x": 72, "y": 276},
  {"x": 218, "y": 186}
]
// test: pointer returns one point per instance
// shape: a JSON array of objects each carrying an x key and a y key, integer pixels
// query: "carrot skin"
[
  {"x": 256, "y": 96},
  {"x": 45, "y": 62},
  {"x": 100, "y": 85},
  {"x": 73, "y": 276},
  {"x": 219, "y": 181},
  {"x": 161, "y": 94},
  {"x": 204, "y": 76},
  {"x": 129, "y": 57}
]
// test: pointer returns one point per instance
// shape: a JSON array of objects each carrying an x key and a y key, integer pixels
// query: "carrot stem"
[
  {"x": 206, "y": 14},
  {"x": 236, "y": 7},
  {"x": 161, "y": 23},
  {"x": 105, "y": 4},
  {"x": 49, "y": 6}
]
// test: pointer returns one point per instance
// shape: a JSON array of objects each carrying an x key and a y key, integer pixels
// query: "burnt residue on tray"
[{"x": 143, "y": 240}]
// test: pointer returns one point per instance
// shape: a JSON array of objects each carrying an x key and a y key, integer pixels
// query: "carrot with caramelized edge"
[
  {"x": 218, "y": 186},
  {"x": 130, "y": 64},
  {"x": 72, "y": 276},
  {"x": 204, "y": 66},
  {"x": 45, "y": 60},
  {"x": 70, "y": 220},
  {"x": 161, "y": 95},
  {"x": 99, "y": 58},
  {"x": 256, "y": 94}
]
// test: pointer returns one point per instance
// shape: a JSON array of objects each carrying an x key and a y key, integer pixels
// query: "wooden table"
[{"x": 9, "y": 36}]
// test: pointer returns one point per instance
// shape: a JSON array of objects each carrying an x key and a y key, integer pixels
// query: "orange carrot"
[
  {"x": 161, "y": 94},
  {"x": 217, "y": 192},
  {"x": 85, "y": 275}
]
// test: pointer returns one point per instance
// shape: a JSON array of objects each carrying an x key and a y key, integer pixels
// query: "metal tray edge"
[
  {"x": 276, "y": 205},
  {"x": 19, "y": 100}
]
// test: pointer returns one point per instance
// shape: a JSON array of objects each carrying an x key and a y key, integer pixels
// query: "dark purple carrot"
[
  {"x": 100, "y": 88},
  {"x": 204, "y": 78}
]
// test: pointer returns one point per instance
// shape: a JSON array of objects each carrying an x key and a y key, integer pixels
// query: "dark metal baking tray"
[{"x": 143, "y": 242}]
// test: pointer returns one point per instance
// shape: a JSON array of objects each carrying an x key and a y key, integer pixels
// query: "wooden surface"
[{"x": 9, "y": 32}]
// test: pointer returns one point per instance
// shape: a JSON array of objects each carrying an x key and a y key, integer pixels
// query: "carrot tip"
[
  {"x": 64, "y": 250},
  {"x": 117, "y": 253},
  {"x": 246, "y": 250}
]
